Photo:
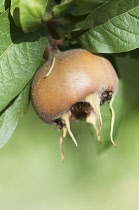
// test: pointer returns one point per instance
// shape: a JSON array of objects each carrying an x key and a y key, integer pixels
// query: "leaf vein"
[{"x": 115, "y": 35}]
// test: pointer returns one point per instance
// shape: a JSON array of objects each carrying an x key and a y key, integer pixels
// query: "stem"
[{"x": 52, "y": 45}]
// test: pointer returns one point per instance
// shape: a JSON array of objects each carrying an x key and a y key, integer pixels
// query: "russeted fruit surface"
[{"x": 78, "y": 83}]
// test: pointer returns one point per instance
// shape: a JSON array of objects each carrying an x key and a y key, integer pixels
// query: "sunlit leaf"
[
  {"x": 65, "y": 4},
  {"x": 15, "y": 5},
  {"x": 31, "y": 13}
]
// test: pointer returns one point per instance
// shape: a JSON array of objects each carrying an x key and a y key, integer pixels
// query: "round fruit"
[{"x": 77, "y": 84}]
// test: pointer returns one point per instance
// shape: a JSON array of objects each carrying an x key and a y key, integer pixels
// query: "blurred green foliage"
[{"x": 32, "y": 177}]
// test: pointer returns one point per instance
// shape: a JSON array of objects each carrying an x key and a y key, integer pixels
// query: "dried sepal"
[
  {"x": 94, "y": 100},
  {"x": 64, "y": 133},
  {"x": 92, "y": 119},
  {"x": 66, "y": 121},
  {"x": 112, "y": 119}
]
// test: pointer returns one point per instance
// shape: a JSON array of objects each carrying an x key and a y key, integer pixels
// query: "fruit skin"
[{"x": 76, "y": 74}]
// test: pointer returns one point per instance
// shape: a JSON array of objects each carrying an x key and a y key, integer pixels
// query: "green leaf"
[
  {"x": 50, "y": 5},
  {"x": 111, "y": 28},
  {"x": 15, "y": 5},
  {"x": 9, "y": 118},
  {"x": 2, "y": 5},
  {"x": 58, "y": 9},
  {"x": 20, "y": 55},
  {"x": 106, "y": 117},
  {"x": 84, "y": 7},
  {"x": 31, "y": 13}
]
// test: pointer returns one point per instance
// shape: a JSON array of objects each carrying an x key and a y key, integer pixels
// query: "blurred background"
[{"x": 32, "y": 177}]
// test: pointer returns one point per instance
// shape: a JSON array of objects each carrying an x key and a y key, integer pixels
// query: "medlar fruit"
[{"x": 77, "y": 84}]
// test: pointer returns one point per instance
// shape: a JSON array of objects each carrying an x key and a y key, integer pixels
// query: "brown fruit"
[{"x": 79, "y": 82}]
